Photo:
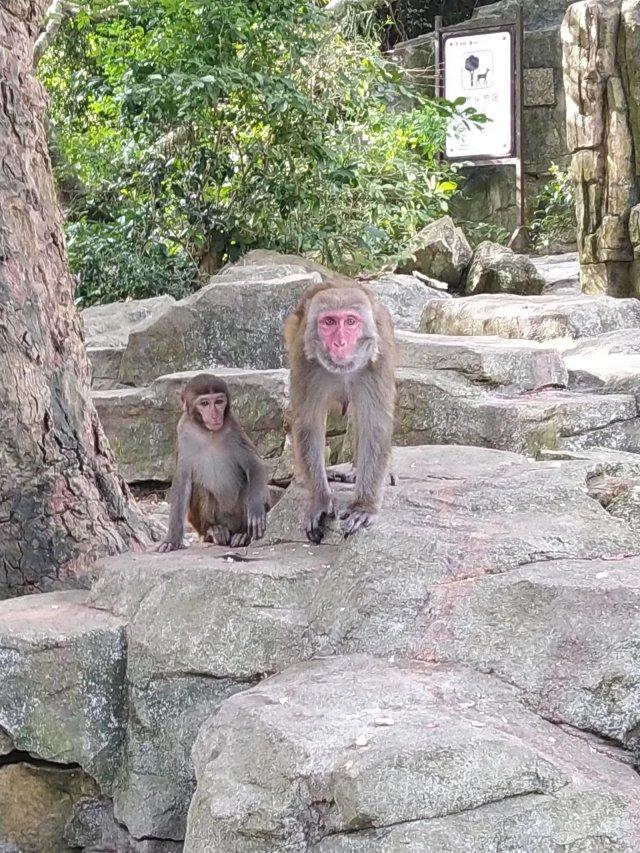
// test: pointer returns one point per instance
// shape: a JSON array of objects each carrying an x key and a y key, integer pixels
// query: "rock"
[
  {"x": 258, "y": 257},
  {"x": 458, "y": 513},
  {"x": 538, "y": 318},
  {"x": 225, "y": 324},
  {"x": 559, "y": 630},
  {"x": 35, "y": 804},
  {"x": 110, "y": 325},
  {"x": 202, "y": 627},
  {"x": 105, "y": 364},
  {"x": 560, "y": 272},
  {"x": 6, "y": 744},
  {"x": 443, "y": 407},
  {"x": 357, "y": 754},
  {"x": 62, "y": 681},
  {"x": 405, "y": 298},
  {"x": 92, "y": 827},
  {"x": 402, "y": 295},
  {"x": 599, "y": 48},
  {"x": 440, "y": 251},
  {"x": 140, "y": 423},
  {"x": 608, "y": 362},
  {"x": 497, "y": 269},
  {"x": 491, "y": 361}
]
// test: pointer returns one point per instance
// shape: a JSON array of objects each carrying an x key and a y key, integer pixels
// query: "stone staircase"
[{"x": 465, "y": 676}]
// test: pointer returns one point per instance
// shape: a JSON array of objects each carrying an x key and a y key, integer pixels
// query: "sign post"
[{"x": 483, "y": 65}]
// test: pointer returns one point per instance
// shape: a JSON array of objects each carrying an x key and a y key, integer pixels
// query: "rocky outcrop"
[
  {"x": 107, "y": 329},
  {"x": 497, "y": 269},
  {"x": 229, "y": 323},
  {"x": 601, "y": 41},
  {"x": 405, "y": 297},
  {"x": 608, "y": 363},
  {"x": 199, "y": 630},
  {"x": 62, "y": 686},
  {"x": 488, "y": 361},
  {"x": 539, "y": 318},
  {"x": 440, "y": 251},
  {"x": 357, "y": 755}
]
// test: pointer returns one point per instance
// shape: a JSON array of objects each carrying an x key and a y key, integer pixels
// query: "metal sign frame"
[{"x": 515, "y": 157}]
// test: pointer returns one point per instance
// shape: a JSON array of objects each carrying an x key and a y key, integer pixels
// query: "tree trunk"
[{"x": 62, "y": 503}]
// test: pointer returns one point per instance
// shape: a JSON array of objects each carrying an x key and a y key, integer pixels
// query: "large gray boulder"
[
  {"x": 440, "y": 407},
  {"x": 357, "y": 754},
  {"x": 201, "y": 626},
  {"x": 458, "y": 513},
  {"x": 405, "y": 297},
  {"x": 535, "y": 318},
  {"x": 107, "y": 329},
  {"x": 229, "y": 323},
  {"x": 489, "y": 361},
  {"x": 497, "y": 269},
  {"x": 62, "y": 690},
  {"x": 560, "y": 630},
  {"x": 440, "y": 251}
]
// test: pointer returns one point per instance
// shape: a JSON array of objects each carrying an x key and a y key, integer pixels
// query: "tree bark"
[{"x": 62, "y": 503}]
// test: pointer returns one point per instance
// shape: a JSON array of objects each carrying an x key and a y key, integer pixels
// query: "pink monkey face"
[
  {"x": 340, "y": 331},
  {"x": 211, "y": 408}
]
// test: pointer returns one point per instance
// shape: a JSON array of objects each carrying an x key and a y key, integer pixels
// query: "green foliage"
[
  {"x": 554, "y": 219},
  {"x": 478, "y": 232},
  {"x": 202, "y": 128}
]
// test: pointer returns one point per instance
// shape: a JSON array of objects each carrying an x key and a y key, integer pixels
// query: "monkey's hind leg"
[{"x": 217, "y": 534}]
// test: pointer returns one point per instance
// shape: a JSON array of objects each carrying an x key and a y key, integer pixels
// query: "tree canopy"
[{"x": 187, "y": 131}]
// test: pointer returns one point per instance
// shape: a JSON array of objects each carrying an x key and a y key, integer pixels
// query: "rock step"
[
  {"x": 201, "y": 627},
  {"x": 462, "y": 403},
  {"x": 204, "y": 624},
  {"x": 536, "y": 318},
  {"x": 441, "y": 408},
  {"x": 357, "y": 755},
  {"x": 523, "y": 365},
  {"x": 609, "y": 363}
]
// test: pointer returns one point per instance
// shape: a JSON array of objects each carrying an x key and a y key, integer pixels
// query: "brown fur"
[
  {"x": 220, "y": 481},
  {"x": 369, "y": 390}
]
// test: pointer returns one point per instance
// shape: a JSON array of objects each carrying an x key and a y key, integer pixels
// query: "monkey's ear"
[{"x": 183, "y": 400}]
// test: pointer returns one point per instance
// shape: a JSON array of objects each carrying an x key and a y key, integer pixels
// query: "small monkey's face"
[
  {"x": 210, "y": 410},
  {"x": 339, "y": 332}
]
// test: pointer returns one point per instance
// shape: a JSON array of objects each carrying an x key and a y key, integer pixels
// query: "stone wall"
[
  {"x": 601, "y": 53},
  {"x": 489, "y": 194}
]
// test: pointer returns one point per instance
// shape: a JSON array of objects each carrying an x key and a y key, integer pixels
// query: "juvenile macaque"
[
  {"x": 220, "y": 481},
  {"x": 341, "y": 351}
]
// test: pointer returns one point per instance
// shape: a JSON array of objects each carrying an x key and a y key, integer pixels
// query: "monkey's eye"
[
  {"x": 204, "y": 403},
  {"x": 329, "y": 321},
  {"x": 351, "y": 321}
]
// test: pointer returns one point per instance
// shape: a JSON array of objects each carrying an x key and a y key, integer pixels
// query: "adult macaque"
[
  {"x": 341, "y": 350},
  {"x": 220, "y": 481}
]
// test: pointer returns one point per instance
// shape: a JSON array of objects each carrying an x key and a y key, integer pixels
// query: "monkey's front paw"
[
  {"x": 357, "y": 517},
  {"x": 317, "y": 520},
  {"x": 170, "y": 545},
  {"x": 239, "y": 540},
  {"x": 256, "y": 522},
  {"x": 217, "y": 534}
]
